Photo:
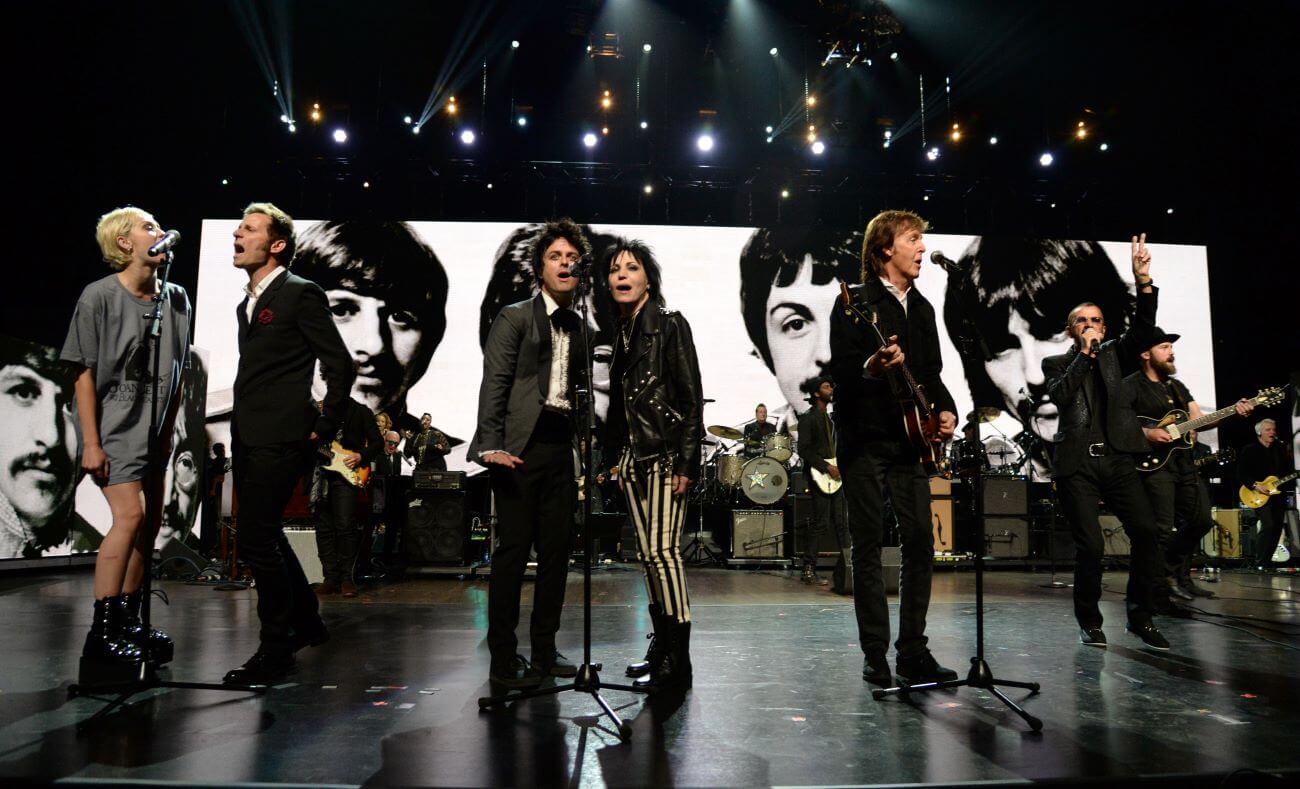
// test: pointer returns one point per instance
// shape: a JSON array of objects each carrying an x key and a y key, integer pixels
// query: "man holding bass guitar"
[
  {"x": 1172, "y": 485},
  {"x": 878, "y": 451}
]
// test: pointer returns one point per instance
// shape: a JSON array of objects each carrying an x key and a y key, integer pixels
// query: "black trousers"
[
  {"x": 393, "y": 512},
  {"x": 867, "y": 473},
  {"x": 1114, "y": 479},
  {"x": 264, "y": 480},
  {"x": 535, "y": 506},
  {"x": 338, "y": 535},
  {"x": 829, "y": 512},
  {"x": 1272, "y": 519},
  {"x": 1178, "y": 499}
]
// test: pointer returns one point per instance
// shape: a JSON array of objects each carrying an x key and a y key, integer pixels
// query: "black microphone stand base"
[
  {"x": 587, "y": 681},
  {"x": 980, "y": 676},
  {"x": 147, "y": 680}
]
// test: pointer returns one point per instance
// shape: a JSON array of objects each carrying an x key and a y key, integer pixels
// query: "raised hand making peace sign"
[{"x": 1141, "y": 260}]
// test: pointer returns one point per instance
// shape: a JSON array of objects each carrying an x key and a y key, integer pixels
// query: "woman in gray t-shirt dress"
[{"x": 109, "y": 343}]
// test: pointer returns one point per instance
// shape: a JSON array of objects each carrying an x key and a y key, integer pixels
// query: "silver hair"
[{"x": 1259, "y": 426}]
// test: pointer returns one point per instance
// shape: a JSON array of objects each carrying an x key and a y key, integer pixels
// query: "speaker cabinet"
[
  {"x": 942, "y": 523},
  {"x": 1006, "y": 538},
  {"x": 1224, "y": 541},
  {"x": 826, "y": 545},
  {"x": 758, "y": 534},
  {"x": 437, "y": 527},
  {"x": 1006, "y": 495}
]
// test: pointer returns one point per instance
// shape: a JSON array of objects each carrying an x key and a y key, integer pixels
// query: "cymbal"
[
  {"x": 729, "y": 433},
  {"x": 983, "y": 414}
]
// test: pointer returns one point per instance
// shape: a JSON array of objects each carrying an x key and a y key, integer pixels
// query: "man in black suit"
[
  {"x": 817, "y": 449},
  {"x": 1097, "y": 440},
  {"x": 285, "y": 326},
  {"x": 875, "y": 454},
  {"x": 531, "y": 360}
]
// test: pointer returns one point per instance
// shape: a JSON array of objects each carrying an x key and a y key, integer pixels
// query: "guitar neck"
[{"x": 1205, "y": 419}]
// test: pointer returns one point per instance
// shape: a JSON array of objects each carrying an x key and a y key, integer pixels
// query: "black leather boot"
[
  {"x": 160, "y": 644},
  {"x": 673, "y": 669},
  {"x": 641, "y": 668},
  {"x": 108, "y": 658}
]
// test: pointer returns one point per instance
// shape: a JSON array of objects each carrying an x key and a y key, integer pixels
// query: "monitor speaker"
[{"x": 1006, "y": 496}]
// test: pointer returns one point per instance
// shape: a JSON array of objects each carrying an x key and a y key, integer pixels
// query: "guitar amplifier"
[
  {"x": 1006, "y": 495},
  {"x": 758, "y": 534},
  {"x": 438, "y": 480},
  {"x": 1006, "y": 538}
]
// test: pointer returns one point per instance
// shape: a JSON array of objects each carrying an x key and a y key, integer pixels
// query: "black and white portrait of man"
[
  {"x": 1006, "y": 310},
  {"x": 789, "y": 281},
  {"x": 388, "y": 294}
]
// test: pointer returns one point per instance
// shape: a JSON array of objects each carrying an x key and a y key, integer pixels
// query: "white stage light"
[
  {"x": 785, "y": 194},
  {"x": 993, "y": 141},
  {"x": 704, "y": 142},
  {"x": 768, "y": 130},
  {"x": 646, "y": 48},
  {"x": 648, "y": 189},
  {"x": 644, "y": 125},
  {"x": 514, "y": 44},
  {"x": 467, "y": 137},
  {"x": 522, "y": 121},
  {"x": 1103, "y": 147},
  {"x": 406, "y": 119},
  {"x": 340, "y": 136},
  {"x": 819, "y": 148},
  {"x": 1169, "y": 210},
  {"x": 415, "y": 129},
  {"x": 225, "y": 181},
  {"x": 589, "y": 139},
  {"x": 893, "y": 56},
  {"x": 293, "y": 127},
  {"x": 1046, "y": 160},
  {"x": 284, "y": 119},
  {"x": 365, "y": 184},
  {"x": 772, "y": 52},
  {"x": 932, "y": 154}
]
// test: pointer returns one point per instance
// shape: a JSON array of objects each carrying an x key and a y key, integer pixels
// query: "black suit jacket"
[
  {"x": 291, "y": 329},
  {"x": 815, "y": 442},
  {"x": 867, "y": 408},
  {"x": 516, "y": 374},
  {"x": 1065, "y": 374}
]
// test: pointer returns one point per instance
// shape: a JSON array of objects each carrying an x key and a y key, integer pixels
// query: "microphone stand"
[
  {"x": 148, "y": 678},
  {"x": 588, "y": 679}
]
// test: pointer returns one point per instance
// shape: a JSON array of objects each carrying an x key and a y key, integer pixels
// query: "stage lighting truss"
[
  {"x": 606, "y": 45},
  {"x": 853, "y": 32}
]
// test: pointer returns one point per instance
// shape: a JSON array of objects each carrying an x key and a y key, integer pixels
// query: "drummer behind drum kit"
[
  {"x": 996, "y": 455},
  {"x": 762, "y": 478}
]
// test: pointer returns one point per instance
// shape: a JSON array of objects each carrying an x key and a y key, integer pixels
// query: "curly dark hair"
[{"x": 551, "y": 232}]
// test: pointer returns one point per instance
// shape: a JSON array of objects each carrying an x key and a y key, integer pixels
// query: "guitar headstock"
[{"x": 1269, "y": 396}]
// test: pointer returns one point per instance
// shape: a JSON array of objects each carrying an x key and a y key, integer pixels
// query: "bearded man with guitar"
[
  {"x": 891, "y": 418},
  {"x": 1175, "y": 490},
  {"x": 1098, "y": 444},
  {"x": 817, "y": 449}
]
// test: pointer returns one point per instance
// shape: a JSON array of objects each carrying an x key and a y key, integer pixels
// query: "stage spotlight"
[
  {"x": 604, "y": 130},
  {"x": 522, "y": 120},
  {"x": 293, "y": 127},
  {"x": 1103, "y": 147},
  {"x": 451, "y": 106},
  {"x": 772, "y": 52},
  {"x": 818, "y": 148},
  {"x": 769, "y": 138},
  {"x": 704, "y": 142},
  {"x": 514, "y": 44},
  {"x": 889, "y": 134},
  {"x": 893, "y": 56},
  {"x": 926, "y": 198},
  {"x": 415, "y": 129},
  {"x": 315, "y": 114},
  {"x": 605, "y": 102},
  {"x": 1046, "y": 160},
  {"x": 648, "y": 189},
  {"x": 932, "y": 154},
  {"x": 768, "y": 129},
  {"x": 406, "y": 119},
  {"x": 785, "y": 194},
  {"x": 365, "y": 184},
  {"x": 869, "y": 63},
  {"x": 955, "y": 136},
  {"x": 489, "y": 186},
  {"x": 589, "y": 140},
  {"x": 1053, "y": 205},
  {"x": 645, "y": 125},
  {"x": 886, "y": 144},
  {"x": 646, "y": 48},
  {"x": 284, "y": 119},
  {"x": 993, "y": 141},
  {"x": 1081, "y": 131},
  {"x": 225, "y": 182},
  {"x": 467, "y": 137},
  {"x": 340, "y": 136},
  {"x": 1169, "y": 210},
  {"x": 811, "y": 101}
]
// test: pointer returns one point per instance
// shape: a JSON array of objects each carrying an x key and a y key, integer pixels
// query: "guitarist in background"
[
  {"x": 338, "y": 535},
  {"x": 817, "y": 448},
  {"x": 1177, "y": 493},
  {"x": 874, "y": 451},
  {"x": 1256, "y": 461}
]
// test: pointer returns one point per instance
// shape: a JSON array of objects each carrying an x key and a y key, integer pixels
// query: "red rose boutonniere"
[{"x": 265, "y": 316}]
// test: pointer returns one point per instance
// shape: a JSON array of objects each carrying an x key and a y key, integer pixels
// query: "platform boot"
[
  {"x": 108, "y": 658},
  {"x": 642, "y": 667},
  {"x": 160, "y": 647}
]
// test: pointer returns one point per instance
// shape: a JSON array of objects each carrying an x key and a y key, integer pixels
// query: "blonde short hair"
[
  {"x": 281, "y": 229},
  {"x": 879, "y": 236},
  {"x": 111, "y": 227}
]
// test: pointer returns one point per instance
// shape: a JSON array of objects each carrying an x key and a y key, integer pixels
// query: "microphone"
[
  {"x": 170, "y": 239},
  {"x": 949, "y": 265}
]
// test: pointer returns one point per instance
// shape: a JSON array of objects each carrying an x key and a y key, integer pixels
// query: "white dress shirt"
[
  {"x": 255, "y": 292},
  {"x": 557, "y": 389}
]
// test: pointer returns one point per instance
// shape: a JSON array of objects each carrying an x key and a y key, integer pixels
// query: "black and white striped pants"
[{"x": 658, "y": 516}]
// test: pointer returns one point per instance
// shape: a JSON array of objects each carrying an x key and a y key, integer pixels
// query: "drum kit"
[
  {"x": 995, "y": 455},
  {"x": 756, "y": 471}
]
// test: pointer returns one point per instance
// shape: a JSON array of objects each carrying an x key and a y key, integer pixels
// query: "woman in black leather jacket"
[{"x": 654, "y": 427}]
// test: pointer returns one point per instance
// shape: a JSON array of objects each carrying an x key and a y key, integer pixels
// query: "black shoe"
[
  {"x": 312, "y": 634},
  {"x": 875, "y": 670},
  {"x": 642, "y": 667},
  {"x": 1092, "y": 636},
  {"x": 1149, "y": 635},
  {"x": 1169, "y": 608},
  {"x": 263, "y": 668},
  {"x": 160, "y": 646},
  {"x": 1175, "y": 590},
  {"x": 515, "y": 672},
  {"x": 922, "y": 668},
  {"x": 108, "y": 657},
  {"x": 554, "y": 664},
  {"x": 673, "y": 669},
  {"x": 1185, "y": 583}
]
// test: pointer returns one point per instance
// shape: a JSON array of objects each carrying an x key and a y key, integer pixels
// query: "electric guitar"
[
  {"x": 335, "y": 452},
  {"x": 825, "y": 482},
  {"x": 1180, "y": 426},
  {"x": 920, "y": 418},
  {"x": 1254, "y": 499},
  {"x": 1220, "y": 458}
]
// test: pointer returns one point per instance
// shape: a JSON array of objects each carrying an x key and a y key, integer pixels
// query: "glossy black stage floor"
[{"x": 778, "y": 698}]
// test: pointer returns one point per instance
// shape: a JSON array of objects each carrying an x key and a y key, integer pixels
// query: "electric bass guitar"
[
  {"x": 335, "y": 452},
  {"x": 825, "y": 482},
  {"x": 920, "y": 418},
  {"x": 1254, "y": 499},
  {"x": 1181, "y": 427}
]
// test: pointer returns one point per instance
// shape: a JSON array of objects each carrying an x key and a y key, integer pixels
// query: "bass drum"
[
  {"x": 777, "y": 447},
  {"x": 729, "y": 469},
  {"x": 764, "y": 481}
]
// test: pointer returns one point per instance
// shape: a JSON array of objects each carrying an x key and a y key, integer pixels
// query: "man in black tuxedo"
[
  {"x": 285, "y": 326},
  {"x": 531, "y": 360},
  {"x": 1097, "y": 440}
]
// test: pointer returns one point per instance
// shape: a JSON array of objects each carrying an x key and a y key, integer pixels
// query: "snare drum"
[
  {"x": 729, "y": 469},
  {"x": 764, "y": 480},
  {"x": 777, "y": 447}
]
